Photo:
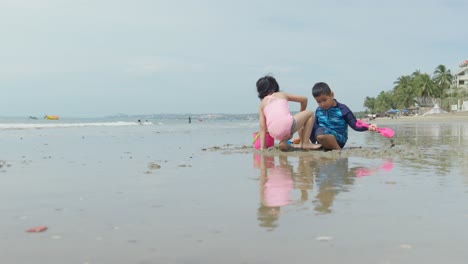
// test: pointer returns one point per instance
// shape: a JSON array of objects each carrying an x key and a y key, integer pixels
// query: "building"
[
  {"x": 461, "y": 77},
  {"x": 460, "y": 82}
]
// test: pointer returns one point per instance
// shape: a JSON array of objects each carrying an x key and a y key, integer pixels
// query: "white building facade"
[
  {"x": 461, "y": 77},
  {"x": 461, "y": 82}
]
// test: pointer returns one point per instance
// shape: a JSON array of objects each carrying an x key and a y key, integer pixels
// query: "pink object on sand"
[
  {"x": 269, "y": 140},
  {"x": 37, "y": 229},
  {"x": 387, "y": 166},
  {"x": 362, "y": 172},
  {"x": 385, "y": 131}
]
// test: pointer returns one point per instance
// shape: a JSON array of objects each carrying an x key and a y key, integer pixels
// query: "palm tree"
[
  {"x": 416, "y": 73},
  {"x": 442, "y": 77},
  {"x": 369, "y": 103},
  {"x": 425, "y": 89},
  {"x": 404, "y": 91},
  {"x": 418, "y": 88},
  {"x": 384, "y": 102}
]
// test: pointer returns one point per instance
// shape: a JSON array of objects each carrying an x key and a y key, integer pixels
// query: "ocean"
[{"x": 120, "y": 120}]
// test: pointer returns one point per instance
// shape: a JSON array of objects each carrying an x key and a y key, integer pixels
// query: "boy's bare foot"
[{"x": 311, "y": 146}]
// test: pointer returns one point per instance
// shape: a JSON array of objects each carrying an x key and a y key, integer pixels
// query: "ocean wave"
[{"x": 65, "y": 125}]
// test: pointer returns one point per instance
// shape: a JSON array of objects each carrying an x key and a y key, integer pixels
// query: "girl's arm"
[
  {"x": 263, "y": 127},
  {"x": 297, "y": 98}
]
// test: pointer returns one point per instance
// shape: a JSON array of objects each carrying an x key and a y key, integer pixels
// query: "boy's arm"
[{"x": 351, "y": 119}]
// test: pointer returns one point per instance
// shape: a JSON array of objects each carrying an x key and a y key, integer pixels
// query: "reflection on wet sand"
[
  {"x": 278, "y": 180},
  {"x": 363, "y": 172},
  {"x": 333, "y": 177},
  {"x": 276, "y": 186},
  {"x": 440, "y": 146}
]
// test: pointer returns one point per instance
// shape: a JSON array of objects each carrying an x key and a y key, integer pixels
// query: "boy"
[{"x": 332, "y": 119}]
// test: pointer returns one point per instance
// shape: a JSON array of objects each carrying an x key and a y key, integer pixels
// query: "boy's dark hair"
[
  {"x": 266, "y": 85},
  {"x": 320, "y": 88}
]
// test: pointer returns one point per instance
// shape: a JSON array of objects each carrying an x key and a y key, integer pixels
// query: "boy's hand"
[{"x": 372, "y": 127}]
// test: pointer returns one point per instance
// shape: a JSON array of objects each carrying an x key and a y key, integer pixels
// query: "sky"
[{"x": 92, "y": 58}]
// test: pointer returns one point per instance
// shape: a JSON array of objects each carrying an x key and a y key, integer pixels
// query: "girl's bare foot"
[{"x": 311, "y": 146}]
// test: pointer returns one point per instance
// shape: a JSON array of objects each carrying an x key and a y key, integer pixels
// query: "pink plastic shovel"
[{"x": 385, "y": 131}]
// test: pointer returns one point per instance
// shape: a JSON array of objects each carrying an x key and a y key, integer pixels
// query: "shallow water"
[{"x": 200, "y": 194}]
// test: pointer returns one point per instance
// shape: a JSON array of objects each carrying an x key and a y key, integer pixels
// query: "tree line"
[{"x": 418, "y": 90}]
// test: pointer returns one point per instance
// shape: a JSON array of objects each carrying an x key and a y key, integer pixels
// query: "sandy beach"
[
  {"x": 200, "y": 193},
  {"x": 446, "y": 117}
]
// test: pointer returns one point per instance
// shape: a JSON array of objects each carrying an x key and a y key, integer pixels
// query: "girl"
[{"x": 275, "y": 116}]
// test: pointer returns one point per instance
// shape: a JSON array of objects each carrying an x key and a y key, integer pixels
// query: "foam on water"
[
  {"x": 64, "y": 125},
  {"x": 161, "y": 122}
]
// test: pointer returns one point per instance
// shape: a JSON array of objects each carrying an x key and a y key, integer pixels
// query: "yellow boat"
[{"x": 51, "y": 117}]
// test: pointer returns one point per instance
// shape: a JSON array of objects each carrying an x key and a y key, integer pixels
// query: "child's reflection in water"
[
  {"x": 276, "y": 185},
  {"x": 332, "y": 178},
  {"x": 330, "y": 175},
  {"x": 335, "y": 177}
]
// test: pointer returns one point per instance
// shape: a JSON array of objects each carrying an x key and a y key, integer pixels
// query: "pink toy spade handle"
[{"x": 385, "y": 131}]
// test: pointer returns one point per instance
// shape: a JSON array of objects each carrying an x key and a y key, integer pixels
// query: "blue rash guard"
[{"x": 334, "y": 121}]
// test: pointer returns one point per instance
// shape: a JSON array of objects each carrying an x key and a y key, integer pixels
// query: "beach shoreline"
[{"x": 445, "y": 117}]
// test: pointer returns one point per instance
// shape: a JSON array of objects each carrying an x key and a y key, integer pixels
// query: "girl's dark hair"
[
  {"x": 266, "y": 85},
  {"x": 320, "y": 88}
]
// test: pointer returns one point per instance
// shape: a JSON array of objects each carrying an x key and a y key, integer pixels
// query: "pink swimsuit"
[{"x": 278, "y": 118}]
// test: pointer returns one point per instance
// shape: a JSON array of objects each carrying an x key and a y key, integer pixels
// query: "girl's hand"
[{"x": 372, "y": 127}]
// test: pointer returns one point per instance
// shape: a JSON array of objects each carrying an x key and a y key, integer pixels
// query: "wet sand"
[{"x": 204, "y": 195}]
